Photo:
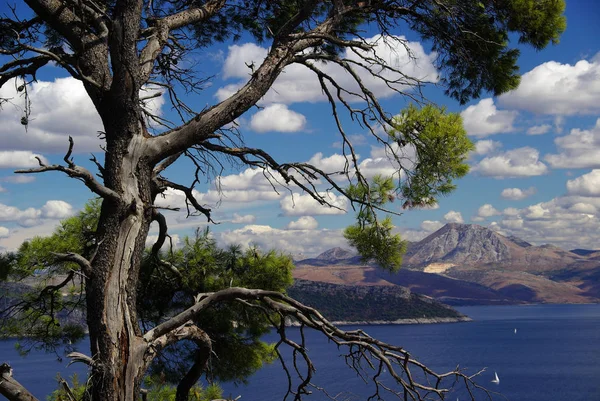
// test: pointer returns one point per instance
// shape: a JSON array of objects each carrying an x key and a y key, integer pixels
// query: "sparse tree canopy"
[{"x": 119, "y": 48}]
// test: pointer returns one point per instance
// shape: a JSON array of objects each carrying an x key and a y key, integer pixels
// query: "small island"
[{"x": 373, "y": 304}]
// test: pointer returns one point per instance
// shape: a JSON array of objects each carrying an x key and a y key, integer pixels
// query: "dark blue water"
[{"x": 554, "y": 356}]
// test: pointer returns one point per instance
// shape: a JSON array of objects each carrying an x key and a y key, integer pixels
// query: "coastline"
[{"x": 422, "y": 320}]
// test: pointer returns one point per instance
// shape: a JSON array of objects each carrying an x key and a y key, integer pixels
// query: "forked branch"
[
  {"x": 75, "y": 171},
  {"x": 372, "y": 359}
]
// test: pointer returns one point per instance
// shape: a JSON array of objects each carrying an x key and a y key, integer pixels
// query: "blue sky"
[{"x": 535, "y": 173}]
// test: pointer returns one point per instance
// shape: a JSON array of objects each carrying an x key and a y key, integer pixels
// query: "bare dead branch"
[
  {"x": 76, "y": 172},
  {"x": 189, "y": 195},
  {"x": 365, "y": 354},
  {"x": 12, "y": 389}
]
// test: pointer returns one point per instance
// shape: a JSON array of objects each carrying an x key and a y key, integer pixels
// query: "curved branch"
[
  {"x": 365, "y": 354},
  {"x": 76, "y": 172},
  {"x": 12, "y": 389},
  {"x": 85, "y": 264},
  {"x": 189, "y": 196},
  {"x": 205, "y": 124}
]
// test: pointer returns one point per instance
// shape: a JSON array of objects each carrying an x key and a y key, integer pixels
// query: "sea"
[{"x": 539, "y": 352}]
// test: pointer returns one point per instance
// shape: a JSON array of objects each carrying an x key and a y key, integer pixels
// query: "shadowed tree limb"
[{"x": 12, "y": 389}]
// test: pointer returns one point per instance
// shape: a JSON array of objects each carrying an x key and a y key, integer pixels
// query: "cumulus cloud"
[
  {"x": 298, "y": 84},
  {"x": 431, "y": 225},
  {"x": 569, "y": 221},
  {"x": 585, "y": 185},
  {"x": 539, "y": 129},
  {"x": 56, "y": 209},
  {"x": 331, "y": 164},
  {"x": 303, "y": 223},
  {"x": 245, "y": 219},
  {"x": 487, "y": 210},
  {"x": 4, "y": 232},
  {"x": 517, "y": 193},
  {"x": 453, "y": 217},
  {"x": 309, "y": 242},
  {"x": 59, "y": 108},
  {"x": 486, "y": 146},
  {"x": 579, "y": 149},
  {"x": 277, "y": 117},
  {"x": 19, "y": 158},
  {"x": 52, "y": 210},
  {"x": 558, "y": 89},
  {"x": 521, "y": 162},
  {"x": 26, "y": 218},
  {"x": 305, "y": 205},
  {"x": 483, "y": 119}
]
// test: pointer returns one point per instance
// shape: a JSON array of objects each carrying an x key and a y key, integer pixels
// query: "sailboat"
[
  {"x": 515, "y": 331},
  {"x": 497, "y": 379}
]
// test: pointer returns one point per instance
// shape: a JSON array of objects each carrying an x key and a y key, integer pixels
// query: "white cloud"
[
  {"x": 59, "y": 108},
  {"x": 4, "y": 232},
  {"x": 277, "y": 117},
  {"x": 19, "y": 158},
  {"x": 52, "y": 210},
  {"x": 305, "y": 205},
  {"x": 20, "y": 234},
  {"x": 298, "y": 84},
  {"x": 483, "y": 119},
  {"x": 486, "y": 146},
  {"x": 245, "y": 219},
  {"x": 453, "y": 217},
  {"x": 303, "y": 223},
  {"x": 19, "y": 178},
  {"x": 2, "y": 189},
  {"x": 517, "y": 193},
  {"x": 332, "y": 164},
  {"x": 308, "y": 242},
  {"x": 570, "y": 221},
  {"x": 250, "y": 195},
  {"x": 511, "y": 211},
  {"x": 585, "y": 185},
  {"x": 431, "y": 225},
  {"x": 26, "y": 218},
  {"x": 56, "y": 209},
  {"x": 555, "y": 88},
  {"x": 487, "y": 210},
  {"x": 240, "y": 57},
  {"x": 539, "y": 129},
  {"x": 521, "y": 162},
  {"x": 579, "y": 149}
]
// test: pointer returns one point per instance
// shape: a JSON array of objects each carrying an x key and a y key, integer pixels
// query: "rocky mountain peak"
[
  {"x": 335, "y": 254},
  {"x": 461, "y": 243}
]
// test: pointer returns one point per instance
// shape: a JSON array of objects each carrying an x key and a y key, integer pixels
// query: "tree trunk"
[{"x": 116, "y": 345}]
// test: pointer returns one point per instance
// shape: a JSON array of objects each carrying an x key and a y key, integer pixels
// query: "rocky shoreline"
[{"x": 423, "y": 320}]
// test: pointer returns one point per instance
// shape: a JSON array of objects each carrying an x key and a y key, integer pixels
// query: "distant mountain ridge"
[{"x": 449, "y": 262}]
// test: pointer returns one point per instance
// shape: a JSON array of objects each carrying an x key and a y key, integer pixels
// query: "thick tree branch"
[
  {"x": 72, "y": 170},
  {"x": 83, "y": 263},
  {"x": 12, "y": 389},
  {"x": 159, "y": 33},
  {"x": 199, "y": 129}
]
